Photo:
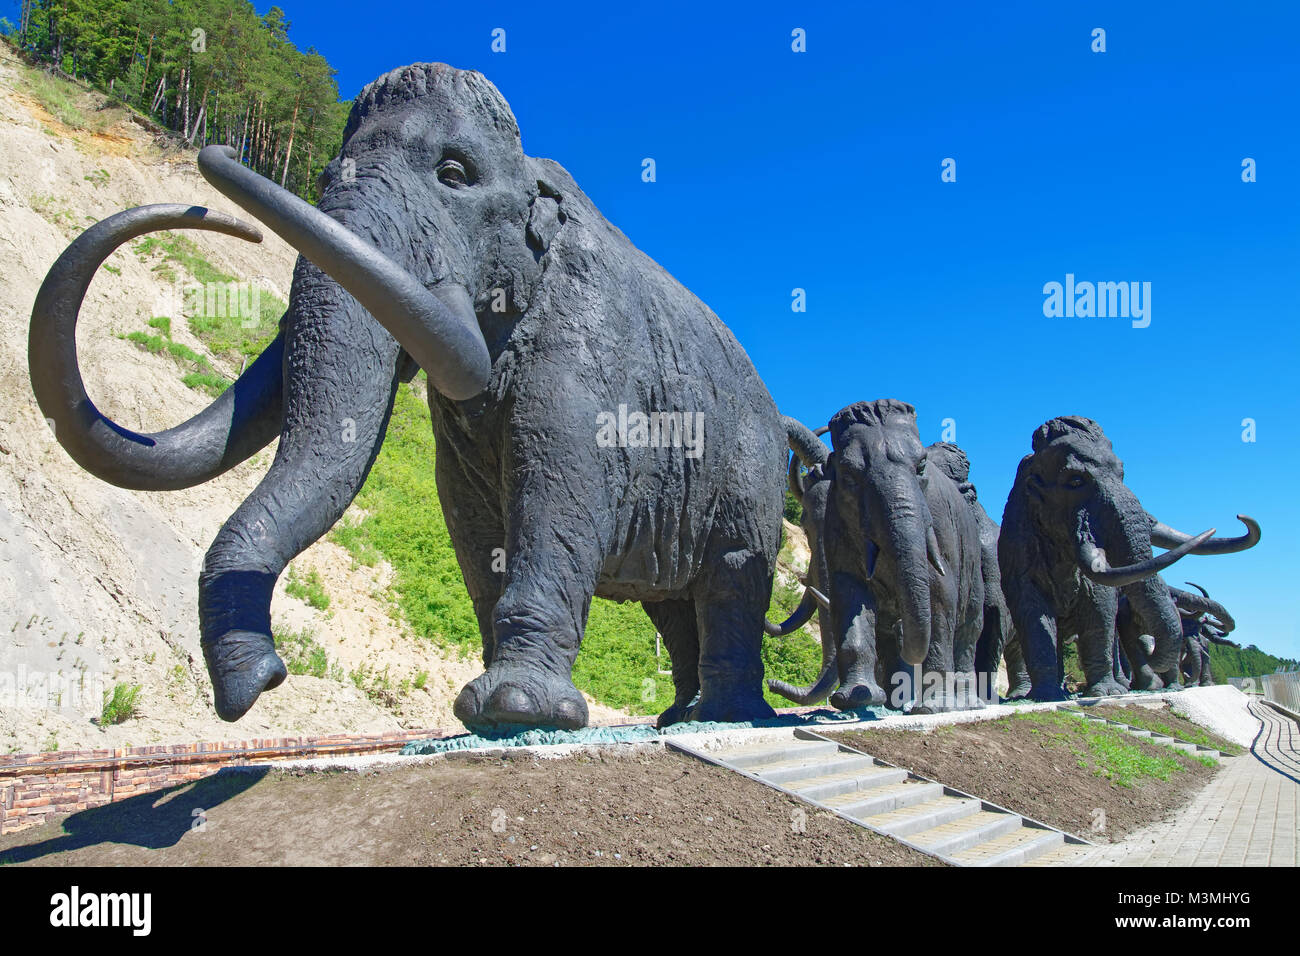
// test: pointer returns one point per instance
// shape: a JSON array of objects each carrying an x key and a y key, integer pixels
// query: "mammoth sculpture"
[
  {"x": 537, "y": 321},
  {"x": 898, "y": 549},
  {"x": 1204, "y": 621},
  {"x": 998, "y": 639},
  {"x": 1069, "y": 520}
]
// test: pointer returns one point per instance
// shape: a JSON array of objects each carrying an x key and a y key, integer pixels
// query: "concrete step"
[
  {"x": 746, "y": 757},
  {"x": 821, "y": 787},
  {"x": 1067, "y": 854},
  {"x": 908, "y": 821},
  {"x": 893, "y": 796},
  {"x": 949, "y": 838},
  {"x": 1011, "y": 849},
  {"x": 806, "y": 769}
]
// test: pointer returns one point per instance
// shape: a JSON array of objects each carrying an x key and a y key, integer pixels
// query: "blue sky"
[{"x": 821, "y": 170}]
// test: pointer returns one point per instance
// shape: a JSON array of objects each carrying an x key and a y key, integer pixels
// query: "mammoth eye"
[
  {"x": 1075, "y": 481},
  {"x": 452, "y": 173}
]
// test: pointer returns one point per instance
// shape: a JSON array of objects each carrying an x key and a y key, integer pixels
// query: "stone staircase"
[
  {"x": 1196, "y": 750},
  {"x": 956, "y": 827}
]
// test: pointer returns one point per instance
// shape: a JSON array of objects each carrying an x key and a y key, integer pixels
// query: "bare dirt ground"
[
  {"x": 643, "y": 807},
  {"x": 1012, "y": 763}
]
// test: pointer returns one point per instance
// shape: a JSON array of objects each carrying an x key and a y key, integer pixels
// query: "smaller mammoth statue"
[
  {"x": 1204, "y": 622},
  {"x": 998, "y": 639},
  {"x": 897, "y": 548},
  {"x": 1074, "y": 539}
]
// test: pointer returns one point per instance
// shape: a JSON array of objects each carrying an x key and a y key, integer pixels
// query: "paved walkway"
[{"x": 1246, "y": 816}]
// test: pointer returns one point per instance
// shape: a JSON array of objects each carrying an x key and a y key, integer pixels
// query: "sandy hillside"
[{"x": 101, "y": 582}]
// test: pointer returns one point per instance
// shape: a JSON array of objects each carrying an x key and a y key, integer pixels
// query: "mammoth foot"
[
  {"x": 675, "y": 714},
  {"x": 1109, "y": 687},
  {"x": 729, "y": 709},
  {"x": 1019, "y": 691},
  {"x": 509, "y": 694},
  {"x": 1050, "y": 692},
  {"x": 241, "y": 664},
  {"x": 856, "y": 696},
  {"x": 1144, "y": 678}
]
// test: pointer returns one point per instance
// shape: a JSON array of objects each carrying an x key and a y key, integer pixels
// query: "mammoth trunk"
[
  {"x": 1151, "y": 602},
  {"x": 909, "y": 549}
]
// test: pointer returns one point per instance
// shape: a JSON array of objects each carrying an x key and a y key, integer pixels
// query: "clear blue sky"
[{"x": 821, "y": 170}]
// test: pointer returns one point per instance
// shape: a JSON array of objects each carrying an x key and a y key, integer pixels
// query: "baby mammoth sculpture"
[
  {"x": 445, "y": 247},
  {"x": 898, "y": 549},
  {"x": 1068, "y": 518}
]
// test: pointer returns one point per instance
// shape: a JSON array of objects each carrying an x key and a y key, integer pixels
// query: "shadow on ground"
[{"x": 152, "y": 820}]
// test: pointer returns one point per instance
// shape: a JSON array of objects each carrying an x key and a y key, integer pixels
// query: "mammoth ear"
[
  {"x": 1035, "y": 487},
  {"x": 544, "y": 218}
]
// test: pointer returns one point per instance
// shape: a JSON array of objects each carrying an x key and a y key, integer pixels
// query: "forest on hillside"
[
  {"x": 210, "y": 71},
  {"x": 1249, "y": 661}
]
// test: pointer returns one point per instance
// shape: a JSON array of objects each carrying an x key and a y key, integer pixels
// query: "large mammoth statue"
[
  {"x": 898, "y": 549},
  {"x": 998, "y": 639},
  {"x": 1074, "y": 537},
  {"x": 438, "y": 243}
]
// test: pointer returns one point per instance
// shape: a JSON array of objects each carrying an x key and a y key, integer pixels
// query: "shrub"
[{"x": 119, "y": 704}]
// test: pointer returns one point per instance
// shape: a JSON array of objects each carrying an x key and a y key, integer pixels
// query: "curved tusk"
[
  {"x": 1092, "y": 561},
  {"x": 1164, "y": 536},
  {"x": 801, "y": 616},
  {"x": 448, "y": 345},
  {"x": 243, "y": 419}
]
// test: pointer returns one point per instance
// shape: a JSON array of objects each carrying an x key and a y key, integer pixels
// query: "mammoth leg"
[
  {"x": 676, "y": 622},
  {"x": 730, "y": 600},
  {"x": 1035, "y": 623},
  {"x": 853, "y": 621},
  {"x": 1018, "y": 684},
  {"x": 1128, "y": 629},
  {"x": 476, "y": 533},
  {"x": 552, "y": 561},
  {"x": 1098, "y": 606},
  {"x": 341, "y": 373}
]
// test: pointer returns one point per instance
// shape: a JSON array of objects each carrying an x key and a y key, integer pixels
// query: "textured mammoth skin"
[
  {"x": 903, "y": 556},
  {"x": 1069, "y": 520},
  {"x": 576, "y": 322},
  {"x": 998, "y": 638}
]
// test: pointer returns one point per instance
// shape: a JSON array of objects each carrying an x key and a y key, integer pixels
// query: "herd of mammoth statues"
[
  {"x": 921, "y": 595},
  {"x": 438, "y": 244}
]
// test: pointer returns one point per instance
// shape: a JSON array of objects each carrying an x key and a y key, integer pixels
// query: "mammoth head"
[
  {"x": 1075, "y": 491},
  {"x": 877, "y": 515},
  {"x": 431, "y": 219},
  {"x": 433, "y": 172}
]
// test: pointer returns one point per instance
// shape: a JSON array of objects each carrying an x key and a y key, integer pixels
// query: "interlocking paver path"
[{"x": 1246, "y": 816}]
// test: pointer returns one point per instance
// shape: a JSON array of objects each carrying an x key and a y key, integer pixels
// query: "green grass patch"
[
  {"x": 309, "y": 589},
  {"x": 1147, "y": 719},
  {"x": 56, "y": 96},
  {"x": 209, "y": 382},
  {"x": 233, "y": 318},
  {"x": 119, "y": 704},
  {"x": 303, "y": 655},
  {"x": 1106, "y": 751}
]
